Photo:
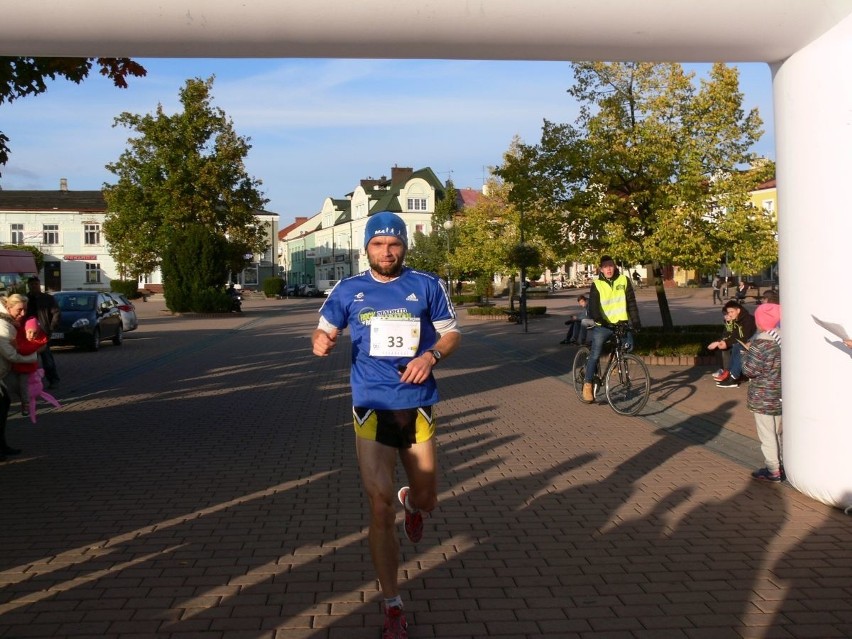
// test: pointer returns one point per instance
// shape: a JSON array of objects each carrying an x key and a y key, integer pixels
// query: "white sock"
[{"x": 393, "y": 602}]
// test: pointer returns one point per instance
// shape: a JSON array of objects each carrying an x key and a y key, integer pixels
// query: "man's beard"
[{"x": 387, "y": 271}]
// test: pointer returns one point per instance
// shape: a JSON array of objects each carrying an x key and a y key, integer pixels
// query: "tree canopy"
[
  {"x": 21, "y": 77},
  {"x": 655, "y": 170},
  {"x": 181, "y": 171}
]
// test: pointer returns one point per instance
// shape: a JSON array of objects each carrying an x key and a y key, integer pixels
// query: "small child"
[
  {"x": 762, "y": 363},
  {"x": 29, "y": 375}
]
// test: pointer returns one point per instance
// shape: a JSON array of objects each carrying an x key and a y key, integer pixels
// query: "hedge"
[
  {"x": 495, "y": 311},
  {"x": 681, "y": 340}
]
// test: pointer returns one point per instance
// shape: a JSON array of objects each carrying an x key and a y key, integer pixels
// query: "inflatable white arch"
[{"x": 808, "y": 45}]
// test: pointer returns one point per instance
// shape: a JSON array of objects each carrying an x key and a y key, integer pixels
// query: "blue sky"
[{"x": 317, "y": 127}]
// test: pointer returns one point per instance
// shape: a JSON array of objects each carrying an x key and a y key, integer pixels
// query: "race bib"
[{"x": 394, "y": 337}]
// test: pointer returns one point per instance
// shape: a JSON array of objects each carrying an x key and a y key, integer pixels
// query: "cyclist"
[{"x": 611, "y": 300}]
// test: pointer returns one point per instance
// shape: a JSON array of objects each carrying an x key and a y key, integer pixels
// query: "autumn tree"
[
  {"x": 22, "y": 77},
  {"x": 655, "y": 170},
  {"x": 182, "y": 171}
]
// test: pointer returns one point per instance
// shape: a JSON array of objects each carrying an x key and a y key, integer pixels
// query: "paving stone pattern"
[{"x": 200, "y": 481}]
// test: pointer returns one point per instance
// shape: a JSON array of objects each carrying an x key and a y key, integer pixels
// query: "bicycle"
[{"x": 626, "y": 380}]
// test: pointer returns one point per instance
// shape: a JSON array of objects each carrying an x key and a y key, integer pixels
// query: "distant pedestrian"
[
  {"x": 637, "y": 279},
  {"x": 717, "y": 289},
  {"x": 762, "y": 363}
]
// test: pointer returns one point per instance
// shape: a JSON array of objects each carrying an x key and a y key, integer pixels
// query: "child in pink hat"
[
  {"x": 762, "y": 363},
  {"x": 30, "y": 386}
]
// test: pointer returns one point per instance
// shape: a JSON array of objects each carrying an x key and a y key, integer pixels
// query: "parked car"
[
  {"x": 129, "y": 321},
  {"x": 290, "y": 290},
  {"x": 87, "y": 318},
  {"x": 309, "y": 290}
]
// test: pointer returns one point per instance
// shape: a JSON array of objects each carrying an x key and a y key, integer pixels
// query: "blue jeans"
[
  {"x": 600, "y": 335},
  {"x": 736, "y": 364},
  {"x": 577, "y": 332}
]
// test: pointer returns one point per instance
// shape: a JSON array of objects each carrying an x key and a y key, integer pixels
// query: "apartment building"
[
  {"x": 67, "y": 226},
  {"x": 329, "y": 245}
]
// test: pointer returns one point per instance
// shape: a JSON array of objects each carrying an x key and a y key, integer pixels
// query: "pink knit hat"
[
  {"x": 767, "y": 316},
  {"x": 31, "y": 324}
]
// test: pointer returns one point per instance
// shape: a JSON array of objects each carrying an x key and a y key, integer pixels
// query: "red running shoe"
[
  {"x": 413, "y": 517},
  {"x": 396, "y": 627}
]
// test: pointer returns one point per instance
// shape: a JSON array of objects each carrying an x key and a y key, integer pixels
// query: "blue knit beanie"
[{"x": 385, "y": 223}]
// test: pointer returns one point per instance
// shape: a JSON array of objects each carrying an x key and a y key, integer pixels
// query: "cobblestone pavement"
[{"x": 200, "y": 481}]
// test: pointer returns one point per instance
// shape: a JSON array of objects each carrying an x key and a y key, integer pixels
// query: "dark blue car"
[{"x": 86, "y": 319}]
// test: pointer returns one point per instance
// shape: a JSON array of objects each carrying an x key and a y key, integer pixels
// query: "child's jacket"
[
  {"x": 762, "y": 363},
  {"x": 26, "y": 347}
]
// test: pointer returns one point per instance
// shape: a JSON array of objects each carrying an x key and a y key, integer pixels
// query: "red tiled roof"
[{"x": 468, "y": 197}]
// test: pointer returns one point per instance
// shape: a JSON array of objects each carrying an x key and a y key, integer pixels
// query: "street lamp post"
[
  {"x": 523, "y": 296},
  {"x": 447, "y": 226}
]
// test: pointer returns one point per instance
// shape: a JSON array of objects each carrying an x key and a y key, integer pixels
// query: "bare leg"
[
  {"x": 421, "y": 466},
  {"x": 377, "y": 463}
]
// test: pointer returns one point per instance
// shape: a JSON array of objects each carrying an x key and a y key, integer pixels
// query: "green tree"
[
  {"x": 484, "y": 236},
  {"x": 655, "y": 170},
  {"x": 194, "y": 267},
  {"x": 428, "y": 252},
  {"x": 181, "y": 171},
  {"x": 21, "y": 77}
]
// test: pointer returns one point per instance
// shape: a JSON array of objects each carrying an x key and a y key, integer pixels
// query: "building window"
[
  {"x": 769, "y": 205},
  {"x": 50, "y": 234},
  {"x": 92, "y": 234},
  {"x": 93, "y": 273},
  {"x": 17, "y": 233},
  {"x": 417, "y": 204}
]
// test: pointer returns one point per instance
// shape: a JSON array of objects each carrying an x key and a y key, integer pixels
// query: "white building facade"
[
  {"x": 67, "y": 227},
  {"x": 330, "y": 245}
]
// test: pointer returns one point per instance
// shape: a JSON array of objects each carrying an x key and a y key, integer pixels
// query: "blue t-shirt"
[{"x": 359, "y": 300}]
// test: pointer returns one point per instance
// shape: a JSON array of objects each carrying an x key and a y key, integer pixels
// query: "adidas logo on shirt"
[{"x": 411, "y": 298}]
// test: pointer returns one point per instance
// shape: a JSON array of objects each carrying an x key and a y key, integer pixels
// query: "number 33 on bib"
[{"x": 394, "y": 338}]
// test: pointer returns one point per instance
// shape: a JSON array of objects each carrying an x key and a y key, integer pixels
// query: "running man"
[{"x": 402, "y": 324}]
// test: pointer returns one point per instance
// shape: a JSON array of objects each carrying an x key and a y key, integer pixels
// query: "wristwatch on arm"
[{"x": 436, "y": 354}]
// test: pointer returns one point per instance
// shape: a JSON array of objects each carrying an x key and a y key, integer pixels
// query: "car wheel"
[
  {"x": 119, "y": 336},
  {"x": 96, "y": 340}
]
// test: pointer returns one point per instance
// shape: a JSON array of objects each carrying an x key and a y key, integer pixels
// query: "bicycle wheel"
[
  {"x": 628, "y": 385},
  {"x": 578, "y": 371}
]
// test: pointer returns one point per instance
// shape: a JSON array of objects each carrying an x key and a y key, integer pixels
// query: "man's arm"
[
  {"x": 419, "y": 368},
  {"x": 324, "y": 337},
  {"x": 632, "y": 306},
  {"x": 447, "y": 343}
]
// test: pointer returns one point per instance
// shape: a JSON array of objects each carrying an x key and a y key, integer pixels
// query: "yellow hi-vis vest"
[{"x": 613, "y": 299}]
